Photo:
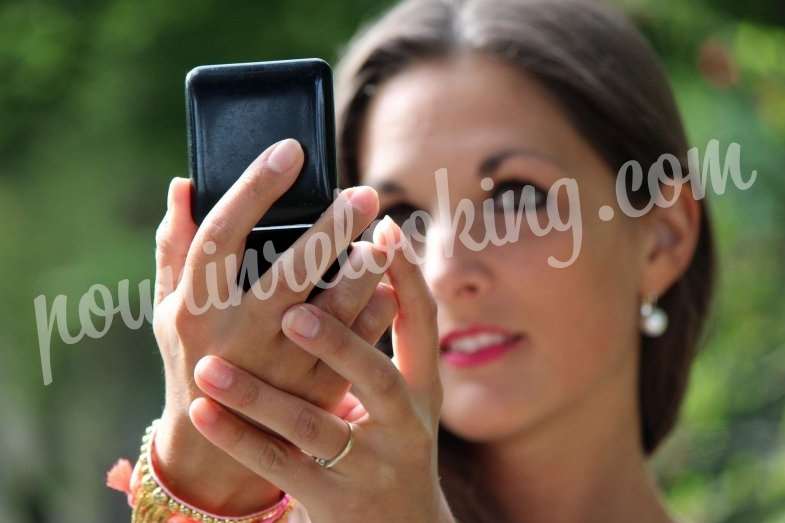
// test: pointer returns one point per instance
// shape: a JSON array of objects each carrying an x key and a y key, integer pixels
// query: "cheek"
[
  {"x": 582, "y": 319},
  {"x": 581, "y": 322}
]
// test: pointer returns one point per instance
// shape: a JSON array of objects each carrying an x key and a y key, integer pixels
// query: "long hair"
[{"x": 613, "y": 90}]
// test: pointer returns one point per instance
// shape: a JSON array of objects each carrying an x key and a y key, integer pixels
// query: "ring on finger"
[{"x": 329, "y": 463}]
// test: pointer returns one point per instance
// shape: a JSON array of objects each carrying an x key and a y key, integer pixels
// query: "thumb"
[{"x": 173, "y": 238}]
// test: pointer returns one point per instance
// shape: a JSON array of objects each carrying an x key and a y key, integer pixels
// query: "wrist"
[{"x": 205, "y": 476}]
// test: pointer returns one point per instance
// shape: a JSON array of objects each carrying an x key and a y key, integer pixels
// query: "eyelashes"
[{"x": 518, "y": 191}]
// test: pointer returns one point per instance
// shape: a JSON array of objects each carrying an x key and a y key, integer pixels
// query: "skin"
[
  {"x": 183, "y": 337},
  {"x": 275, "y": 389},
  {"x": 556, "y": 417},
  {"x": 391, "y": 472}
]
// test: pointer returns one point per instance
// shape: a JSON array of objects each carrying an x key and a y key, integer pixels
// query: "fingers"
[
  {"x": 294, "y": 274},
  {"x": 415, "y": 335},
  {"x": 216, "y": 252},
  {"x": 349, "y": 298},
  {"x": 269, "y": 456},
  {"x": 173, "y": 238},
  {"x": 375, "y": 380},
  {"x": 308, "y": 427},
  {"x": 377, "y": 315},
  {"x": 355, "y": 284},
  {"x": 369, "y": 325},
  {"x": 350, "y": 408}
]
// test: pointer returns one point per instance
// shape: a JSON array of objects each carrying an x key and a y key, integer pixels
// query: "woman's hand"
[
  {"x": 390, "y": 473},
  {"x": 196, "y": 265}
]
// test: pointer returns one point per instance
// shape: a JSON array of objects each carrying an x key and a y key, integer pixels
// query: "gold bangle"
[{"x": 153, "y": 503}]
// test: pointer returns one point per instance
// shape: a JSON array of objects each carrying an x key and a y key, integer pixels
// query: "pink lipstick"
[{"x": 477, "y": 345}]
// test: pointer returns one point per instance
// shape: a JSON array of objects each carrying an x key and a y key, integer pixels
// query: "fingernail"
[
  {"x": 302, "y": 321},
  {"x": 215, "y": 372},
  {"x": 203, "y": 411},
  {"x": 384, "y": 233},
  {"x": 283, "y": 156},
  {"x": 361, "y": 198}
]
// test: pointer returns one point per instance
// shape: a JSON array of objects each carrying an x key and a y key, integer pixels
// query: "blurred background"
[{"x": 92, "y": 128}]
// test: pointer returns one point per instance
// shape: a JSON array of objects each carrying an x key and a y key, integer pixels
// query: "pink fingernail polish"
[
  {"x": 302, "y": 321},
  {"x": 215, "y": 372},
  {"x": 361, "y": 198}
]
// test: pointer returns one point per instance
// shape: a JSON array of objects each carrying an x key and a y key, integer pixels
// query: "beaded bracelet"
[{"x": 152, "y": 502}]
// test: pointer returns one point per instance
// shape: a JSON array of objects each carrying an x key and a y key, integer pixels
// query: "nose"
[{"x": 462, "y": 277}]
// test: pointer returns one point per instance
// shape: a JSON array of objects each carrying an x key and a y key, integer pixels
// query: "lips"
[{"x": 477, "y": 344}]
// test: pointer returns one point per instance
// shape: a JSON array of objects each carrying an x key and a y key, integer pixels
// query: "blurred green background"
[{"x": 92, "y": 128}]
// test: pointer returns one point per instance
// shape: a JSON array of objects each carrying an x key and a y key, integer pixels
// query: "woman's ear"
[{"x": 672, "y": 236}]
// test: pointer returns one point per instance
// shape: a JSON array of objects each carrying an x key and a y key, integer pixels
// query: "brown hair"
[{"x": 611, "y": 87}]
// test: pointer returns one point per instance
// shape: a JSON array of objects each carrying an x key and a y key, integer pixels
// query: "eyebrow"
[{"x": 487, "y": 167}]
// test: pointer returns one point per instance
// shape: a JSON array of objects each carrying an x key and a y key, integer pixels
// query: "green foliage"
[{"x": 92, "y": 129}]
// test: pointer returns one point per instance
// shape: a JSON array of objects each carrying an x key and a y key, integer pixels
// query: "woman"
[{"x": 554, "y": 372}]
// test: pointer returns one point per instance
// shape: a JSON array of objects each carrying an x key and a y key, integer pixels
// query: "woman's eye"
[{"x": 511, "y": 194}]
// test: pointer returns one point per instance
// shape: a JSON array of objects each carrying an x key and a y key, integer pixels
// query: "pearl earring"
[{"x": 654, "y": 320}]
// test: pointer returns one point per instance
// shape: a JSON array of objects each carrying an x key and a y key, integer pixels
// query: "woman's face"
[{"x": 523, "y": 341}]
